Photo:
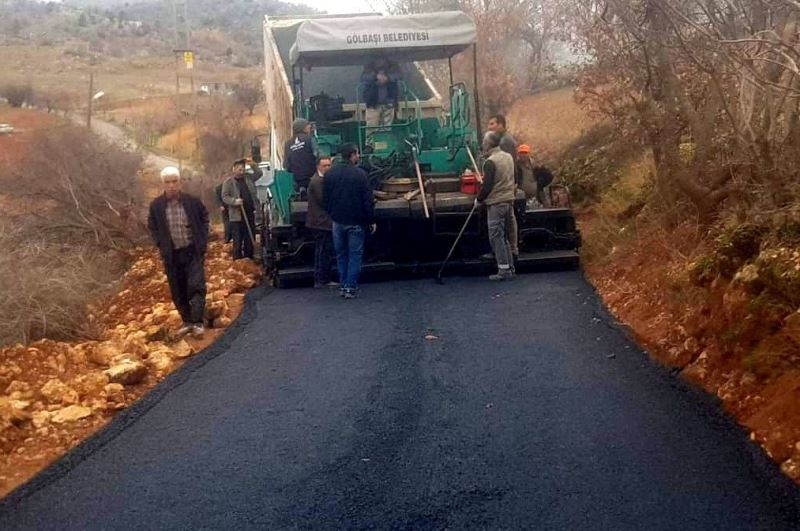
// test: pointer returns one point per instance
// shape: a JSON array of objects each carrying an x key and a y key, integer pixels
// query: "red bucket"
[{"x": 469, "y": 184}]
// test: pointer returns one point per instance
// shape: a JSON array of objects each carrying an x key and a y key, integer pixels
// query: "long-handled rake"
[{"x": 455, "y": 243}]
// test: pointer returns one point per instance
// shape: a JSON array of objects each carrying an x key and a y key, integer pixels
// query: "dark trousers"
[
  {"x": 242, "y": 244},
  {"x": 187, "y": 284},
  {"x": 226, "y": 223},
  {"x": 323, "y": 256}
]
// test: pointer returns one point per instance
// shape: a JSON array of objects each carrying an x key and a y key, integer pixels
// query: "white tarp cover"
[{"x": 402, "y": 38}]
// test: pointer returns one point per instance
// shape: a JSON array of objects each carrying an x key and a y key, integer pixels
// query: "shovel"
[{"x": 256, "y": 251}]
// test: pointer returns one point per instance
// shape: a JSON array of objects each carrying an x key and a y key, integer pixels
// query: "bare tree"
[
  {"x": 79, "y": 189},
  {"x": 249, "y": 93}
]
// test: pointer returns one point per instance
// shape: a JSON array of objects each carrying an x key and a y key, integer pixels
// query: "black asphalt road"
[{"x": 531, "y": 411}]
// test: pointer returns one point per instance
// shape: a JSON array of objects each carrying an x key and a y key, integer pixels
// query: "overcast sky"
[{"x": 344, "y": 6}]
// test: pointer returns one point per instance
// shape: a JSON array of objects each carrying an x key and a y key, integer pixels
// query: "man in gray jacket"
[
  {"x": 239, "y": 194},
  {"x": 497, "y": 124},
  {"x": 497, "y": 193}
]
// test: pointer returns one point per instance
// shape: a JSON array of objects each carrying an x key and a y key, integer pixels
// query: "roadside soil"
[
  {"x": 53, "y": 395},
  {"x": 736, "y": 337}
]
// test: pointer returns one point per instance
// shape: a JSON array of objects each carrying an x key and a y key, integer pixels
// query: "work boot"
[
  {"x": 185, "y": 329},
  {"x": 502, "y": 274},
  {"x": 198, "y": 330},
  {"x": 488, "y": 256},
  {"x": 349, "y": 294}
]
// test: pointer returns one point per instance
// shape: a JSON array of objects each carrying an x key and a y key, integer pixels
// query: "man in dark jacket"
[
  {"x": 178, "y": 224},
  {"x": 320, "y": 223},
  {"x": 300, "y": 154},
  {"x": 349, "y": 202}
]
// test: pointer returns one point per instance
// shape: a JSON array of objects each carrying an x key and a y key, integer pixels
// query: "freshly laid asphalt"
[{"x": 529, "y": 409}]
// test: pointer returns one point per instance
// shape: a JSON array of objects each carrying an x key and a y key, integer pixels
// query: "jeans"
[
  {"x": 187, "y": 284},
  {"x": 349, "y": 243},
  {"x": 323, "y": 256},
  {"x": 499, "y": 219}
]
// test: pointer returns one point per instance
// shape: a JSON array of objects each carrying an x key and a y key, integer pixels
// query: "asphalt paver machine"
[{"x": 422, "y": 166}]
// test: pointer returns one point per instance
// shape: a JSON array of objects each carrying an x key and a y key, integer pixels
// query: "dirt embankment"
[
  {"x": 718, "y": 304},
  {"x": 53, "y": 395},
  {"x": 724, "y": 318}
]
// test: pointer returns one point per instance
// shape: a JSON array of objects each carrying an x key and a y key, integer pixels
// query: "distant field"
[{"x": 59, "y": 68}]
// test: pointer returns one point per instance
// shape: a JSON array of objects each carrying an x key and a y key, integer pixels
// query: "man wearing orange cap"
[
  {"x": 533, "y": 180},
  {"x": 525, "y": 178}
]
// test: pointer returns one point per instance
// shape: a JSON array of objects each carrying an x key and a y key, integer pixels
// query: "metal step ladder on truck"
[{"x": 422, "y": 166}]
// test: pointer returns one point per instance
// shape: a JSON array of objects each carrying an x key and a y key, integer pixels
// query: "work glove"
[
  {"x": 372, "y": 228},
  {"x": 477, "y": 203}
]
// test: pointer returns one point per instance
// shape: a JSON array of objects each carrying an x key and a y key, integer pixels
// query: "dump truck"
[{"x": 422, "y": 167}]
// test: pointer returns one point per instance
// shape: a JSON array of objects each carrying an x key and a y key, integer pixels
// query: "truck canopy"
[{"x": 401, "y": 38}]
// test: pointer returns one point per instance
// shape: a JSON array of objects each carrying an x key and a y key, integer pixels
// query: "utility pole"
[
  {"x": 183, "y": 51},
  {"x": 91, "y": 99}
]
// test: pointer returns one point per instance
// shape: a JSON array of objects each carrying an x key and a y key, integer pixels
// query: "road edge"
[{"x": 133, "y": 413}]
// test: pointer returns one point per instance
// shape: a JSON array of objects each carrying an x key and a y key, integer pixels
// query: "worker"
[
  {"x": 239, "y": 195},
  {"x": 497, "y": 193},
  {"x": 178, "y": 224},
  {"x": 319, "y": 222},
  {"x": 525, "y": 178},
  {"x": 380, "y": 90},
  {"x": 349, "y": 201},
  {"x": 497, "y": 124},
  {"x": 300, "y": 155}
]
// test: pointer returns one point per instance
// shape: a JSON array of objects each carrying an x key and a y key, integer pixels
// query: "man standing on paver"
[
  {"x": 320, "y": 223},
  {"x": 497, "y": 124},
  {"x": 239, "y": 195},
  {"x": 497, "y": 193},
  {"x": 178, "y": 224},
  {"x": 300, "y": 155},
  {"x": 349, "y": 202}
]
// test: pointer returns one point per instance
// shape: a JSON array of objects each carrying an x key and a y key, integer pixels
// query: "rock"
[
  {"x": 749, "y": 277},
  {"x": 56, "y": 391},
  {"x": 12, "y": 413},
  {"x": 91, "y": 384},
  {"x": 215, "y": 309},
  {"x": 98, "y": 404},
  {"x": 182, "y": 350},
  {"x": 41, "y": 419},
  {"x": 221, "y": 322},
  {"x": 155, "y": 333},
  {"x": 236, "y": 299},
  {"x": 70, "y": 414},
  {"x": 160, "y": 361},
  {"x": 127, "y": 372},
  {"x": 77, "y": 356},
  {"x": 115, "y": 393},
  {"x": 103, "y": 353},
  {"x": 21, "y": 389}
]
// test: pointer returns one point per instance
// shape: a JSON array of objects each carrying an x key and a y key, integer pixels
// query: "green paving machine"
[{"x": 422, "y": 167}]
